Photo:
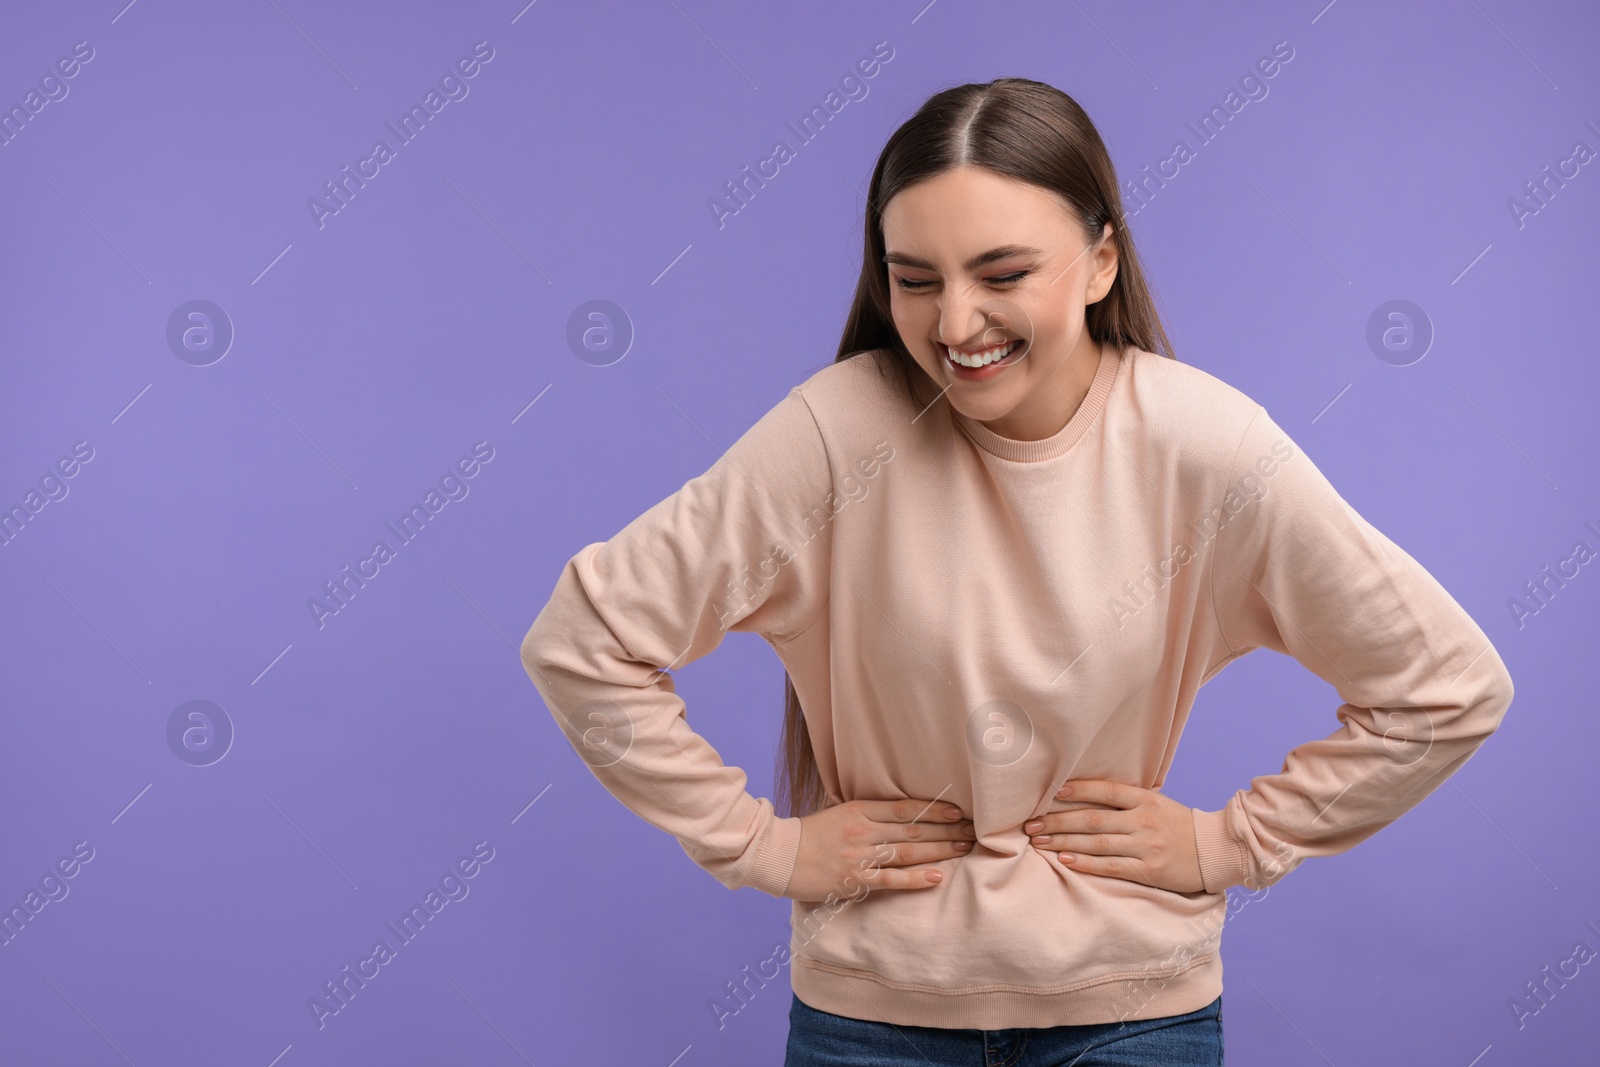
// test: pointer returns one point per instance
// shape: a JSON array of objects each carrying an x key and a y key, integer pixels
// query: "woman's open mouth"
[{"x": 982, "y": 366}]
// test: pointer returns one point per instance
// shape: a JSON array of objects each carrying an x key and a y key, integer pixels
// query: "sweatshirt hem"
[{"x": 1138, "y": 994}]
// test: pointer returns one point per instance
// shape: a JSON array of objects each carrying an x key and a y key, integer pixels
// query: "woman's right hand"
[{"x": 861, "y": 845}]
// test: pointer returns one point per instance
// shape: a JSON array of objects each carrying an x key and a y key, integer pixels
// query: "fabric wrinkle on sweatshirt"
[{"x": 978, "y": 619}]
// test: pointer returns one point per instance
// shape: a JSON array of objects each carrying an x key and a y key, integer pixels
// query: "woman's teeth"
[{"x": 987, "y": 356}]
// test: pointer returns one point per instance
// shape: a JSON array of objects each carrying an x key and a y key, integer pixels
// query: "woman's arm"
[
  {"x": 1297, "y": 570},
  {"x": 744, "y": 546}
]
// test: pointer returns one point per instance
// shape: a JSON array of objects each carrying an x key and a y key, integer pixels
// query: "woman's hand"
[
  {"x": 852, "y": 848},
  {"x": 1150, "y": 839}
]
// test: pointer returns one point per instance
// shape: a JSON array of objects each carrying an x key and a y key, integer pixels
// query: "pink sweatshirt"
[{"x": 977, "y": 619}]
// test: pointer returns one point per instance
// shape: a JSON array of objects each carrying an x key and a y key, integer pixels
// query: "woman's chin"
[{"x": 985, "y": 408}]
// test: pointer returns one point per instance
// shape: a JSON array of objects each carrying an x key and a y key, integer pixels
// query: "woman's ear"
[{"x": 1106, "y": 262}]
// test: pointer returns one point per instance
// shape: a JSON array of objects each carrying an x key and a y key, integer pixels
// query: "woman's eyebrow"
[{"x": 979, "y": 260}]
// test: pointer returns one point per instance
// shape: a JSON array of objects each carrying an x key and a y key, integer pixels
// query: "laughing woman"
[{"x": 999, "y": 544}]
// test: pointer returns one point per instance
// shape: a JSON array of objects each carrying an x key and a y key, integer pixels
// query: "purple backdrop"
[{"x": 240, "y": 345}]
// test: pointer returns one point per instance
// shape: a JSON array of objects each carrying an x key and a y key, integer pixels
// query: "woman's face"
[{"x": 978, "y": 261}]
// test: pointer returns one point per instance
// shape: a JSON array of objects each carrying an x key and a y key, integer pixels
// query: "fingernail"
[
  {"x": 1065, "y": 792},
  {"x": 1032, "y": 826},
  {"x": 962, "y": 846},
  {"x": 952, "y": 813}
]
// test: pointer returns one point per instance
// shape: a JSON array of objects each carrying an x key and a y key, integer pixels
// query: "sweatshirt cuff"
[
  {"x": 1223, "y": 861},
  {"x": 775, "y": 856}
]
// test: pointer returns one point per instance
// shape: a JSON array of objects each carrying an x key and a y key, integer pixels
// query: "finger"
[
  {"x": 1103, "y": 791},
  {"x": 906, "y": 854},
  {"x": 901, "y": 877},
  {"x": 911, "y": 809},
  {"x": 1119, "y": 845},
  {"x": 1109, "y": 866},
  {"x": 1127, "y": 865},
  {"x": 1085, "y": 820},
  {"x": 918, "y": 831}
]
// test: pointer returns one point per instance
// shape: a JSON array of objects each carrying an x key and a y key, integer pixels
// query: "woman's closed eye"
[{"x": 1004, "y": 279}]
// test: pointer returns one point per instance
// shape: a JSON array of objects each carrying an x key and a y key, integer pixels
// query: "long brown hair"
[{"x": 1020, "y": 129}]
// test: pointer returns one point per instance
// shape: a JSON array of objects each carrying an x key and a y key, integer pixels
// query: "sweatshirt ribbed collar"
[{"x": 1094, "y": 402}]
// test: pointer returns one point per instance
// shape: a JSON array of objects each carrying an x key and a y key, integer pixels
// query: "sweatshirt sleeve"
[
  {"x": 744, "y": 546},
  {"x": 1297, "y": 570}
]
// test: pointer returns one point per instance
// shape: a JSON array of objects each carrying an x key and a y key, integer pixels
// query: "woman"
[{"x": 999, "y": 544}]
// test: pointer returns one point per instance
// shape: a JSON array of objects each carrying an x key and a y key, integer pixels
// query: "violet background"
[{"x": 433, "y": 311}]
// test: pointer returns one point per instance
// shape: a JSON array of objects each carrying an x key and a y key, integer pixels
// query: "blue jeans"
[{"x": 821, "y": 1039}]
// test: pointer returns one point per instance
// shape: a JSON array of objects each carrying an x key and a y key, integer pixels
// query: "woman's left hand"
[{"x": 1148, "y": 839}]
